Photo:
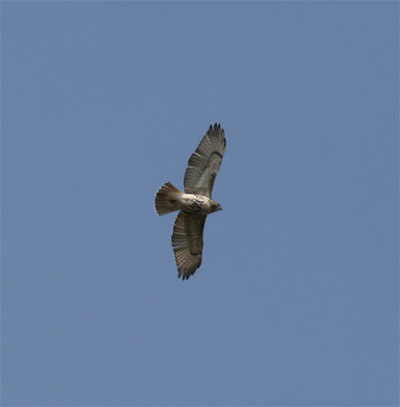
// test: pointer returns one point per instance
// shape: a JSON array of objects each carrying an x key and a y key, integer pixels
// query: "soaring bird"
[{"x": 195, "y": 203}]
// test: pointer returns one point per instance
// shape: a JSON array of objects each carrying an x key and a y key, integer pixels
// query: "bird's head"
[{"x": 215, "y": 206}]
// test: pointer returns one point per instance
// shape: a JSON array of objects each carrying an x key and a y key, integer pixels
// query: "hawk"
[{"x": 195, "y": 203}]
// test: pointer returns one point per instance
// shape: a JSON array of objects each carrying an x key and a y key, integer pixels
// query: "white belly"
[{"x": 195, "y": 204}]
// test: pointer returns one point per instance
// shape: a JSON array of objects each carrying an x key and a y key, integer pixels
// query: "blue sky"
[{"x": 297, "y": 299}]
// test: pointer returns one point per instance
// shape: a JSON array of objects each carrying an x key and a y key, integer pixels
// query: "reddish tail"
[{"x": 166, "y": 198}]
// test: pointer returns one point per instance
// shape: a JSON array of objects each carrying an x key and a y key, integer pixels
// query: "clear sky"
[{"x": 297, "y": 299}]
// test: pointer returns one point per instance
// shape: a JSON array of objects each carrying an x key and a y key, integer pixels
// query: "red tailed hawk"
[{"x": 195, "y": 203}]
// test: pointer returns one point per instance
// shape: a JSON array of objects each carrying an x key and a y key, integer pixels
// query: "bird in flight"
[{"x": 195, "y": 203}]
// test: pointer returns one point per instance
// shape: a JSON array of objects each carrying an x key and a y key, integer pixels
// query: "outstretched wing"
[
  {"x": 204, "y": 163},
  {"x": 187, "y": 241}
]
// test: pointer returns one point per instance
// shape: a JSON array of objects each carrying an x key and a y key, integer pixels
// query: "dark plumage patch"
[{"x": 216, "y": 153}]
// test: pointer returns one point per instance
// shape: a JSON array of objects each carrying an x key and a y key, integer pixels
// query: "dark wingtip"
[
  {"x": 217, "y": 131},
  {"x": 183, "y": 275},
  {"x": 217, "y": 127}
]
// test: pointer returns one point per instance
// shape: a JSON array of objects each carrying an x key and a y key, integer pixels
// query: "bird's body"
[
  {"x": 198, "y": 204},
  {"x": 195, "y": 202},
  {"x": 188, "y": 203}
]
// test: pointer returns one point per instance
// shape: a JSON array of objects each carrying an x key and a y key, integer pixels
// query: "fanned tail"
[{"x": 166, "y": 199}]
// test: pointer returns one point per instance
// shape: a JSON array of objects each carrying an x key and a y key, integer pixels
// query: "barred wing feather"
[
  {"x": 204, "y": 163},
  {"x": 187, "y": 242}
]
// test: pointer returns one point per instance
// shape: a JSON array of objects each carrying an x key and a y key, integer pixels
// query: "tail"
[{"x": 166, "y": 197}]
